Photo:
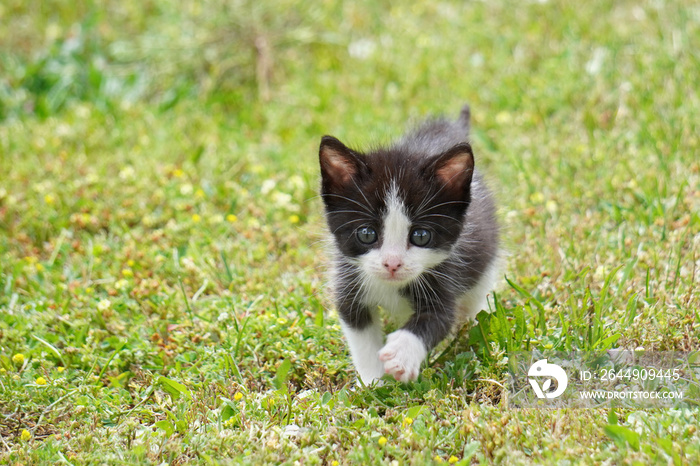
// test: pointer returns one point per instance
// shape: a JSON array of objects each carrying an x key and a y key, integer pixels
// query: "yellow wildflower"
[
  {"x": 294, "y": 218},
  {"x": 537, "y": 197},
  {"x": 178, "y": 173},
  {"x": 41, "y": 381},
  {"x": 453, "y": 460},
  {"x": 196, "y": 218},
  {"x": 238, "y": 396},
  {"x": 49, "y": 199},
  {"x": 25, "y": 436},
  {"x": 381, "y": 441},
  {"x": 127, "y": 272},
  {"x": 503, "y": 118},
  {"x": 437, "y": 459},
  {"x": 18, "y": 359},
  {"x": 60, "y": 368},
  {"x": 231, "y": 218}
]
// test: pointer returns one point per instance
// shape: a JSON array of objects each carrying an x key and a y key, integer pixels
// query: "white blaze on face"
[
  {"x": 397, "y": 261},
  {"x": 396, "y": 229}
]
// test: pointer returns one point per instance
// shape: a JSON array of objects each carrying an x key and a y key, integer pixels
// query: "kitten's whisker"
[
  {"x": 346, "y": 223},
  {"x": 446, "y": 278},
  {"x": 422, "y": 290},
  {"x": 443, "y": 216},
  {"x": 360, "y": 292},
  {"x": 363, "y": 195},
  {"x": 430, "y": 303},
  {"x": 437, "y": 225},
  {"x": 367, "y": 209},
  {"x": 433, "y": 197},
  {"x": 421, "y": 212},
  {"x": 347, "y": 212},
  {"x": 426, "y": 201}
]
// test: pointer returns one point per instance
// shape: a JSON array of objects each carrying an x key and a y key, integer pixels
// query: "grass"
[{"x": 162, "y": 285}]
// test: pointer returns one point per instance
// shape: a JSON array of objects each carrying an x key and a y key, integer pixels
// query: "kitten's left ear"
[{"x": 454, "y": 168}]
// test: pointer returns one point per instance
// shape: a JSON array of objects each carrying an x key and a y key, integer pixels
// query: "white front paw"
[{"x": 402, "y": 355}]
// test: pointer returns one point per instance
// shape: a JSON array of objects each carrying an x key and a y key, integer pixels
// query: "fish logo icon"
[{"x": 542, "y": 368}]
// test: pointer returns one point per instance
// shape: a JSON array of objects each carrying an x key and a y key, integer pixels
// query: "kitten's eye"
[
  {"x": 366, "y": 235},
  {"x": 420, "y": 237}
]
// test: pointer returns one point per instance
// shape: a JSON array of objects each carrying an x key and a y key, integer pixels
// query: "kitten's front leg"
[
  {"x": 406, "y": 349},
  {"x": 402, "y": 355},
  {"x": 364, "y": 343}
]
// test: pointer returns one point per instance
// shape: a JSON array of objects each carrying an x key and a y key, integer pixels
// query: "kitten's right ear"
[
  {"x": 339, "y": 165},
  {"x": 454, "y": 169}
]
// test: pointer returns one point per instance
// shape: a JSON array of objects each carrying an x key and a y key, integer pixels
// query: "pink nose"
[{"x": 392, "y": 264}]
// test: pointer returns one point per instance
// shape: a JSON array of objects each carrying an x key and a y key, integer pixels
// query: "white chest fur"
[{"x": 397, "y": 307}]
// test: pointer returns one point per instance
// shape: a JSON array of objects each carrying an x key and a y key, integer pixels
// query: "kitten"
[{"x": 414, "y": 232}]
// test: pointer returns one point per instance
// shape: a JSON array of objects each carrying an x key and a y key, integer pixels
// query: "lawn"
[{"x": 163, "y": 296}]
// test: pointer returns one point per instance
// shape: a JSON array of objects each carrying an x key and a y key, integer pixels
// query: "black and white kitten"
[{"x": 414, "y": 232}]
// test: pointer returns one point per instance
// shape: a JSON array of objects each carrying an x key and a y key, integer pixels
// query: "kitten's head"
[{"x": 394, "y": 213}]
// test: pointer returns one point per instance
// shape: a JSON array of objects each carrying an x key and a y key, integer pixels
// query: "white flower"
[
  {"x": 226, "y": 434},
  {"x": 188, "y": 264},
  {"x": 104, "y": 305},
  {"x": 186, "y": 189},
  {"x": 267, "y": 186},
  {"x": 293, "y": 430},
  {"x": 595, "y": 64},
  {"x": 216, "y": 219},
  {"x": 362, "y": 49},
  {"x": 281, "y": 199},
  {"x": 92, "y": 178},
  {"x": 127, "y": 173},
  {"x": 296, "y": 181}
]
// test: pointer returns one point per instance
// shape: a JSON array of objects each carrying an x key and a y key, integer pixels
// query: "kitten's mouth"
[{"x": 395, "y": 279}]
